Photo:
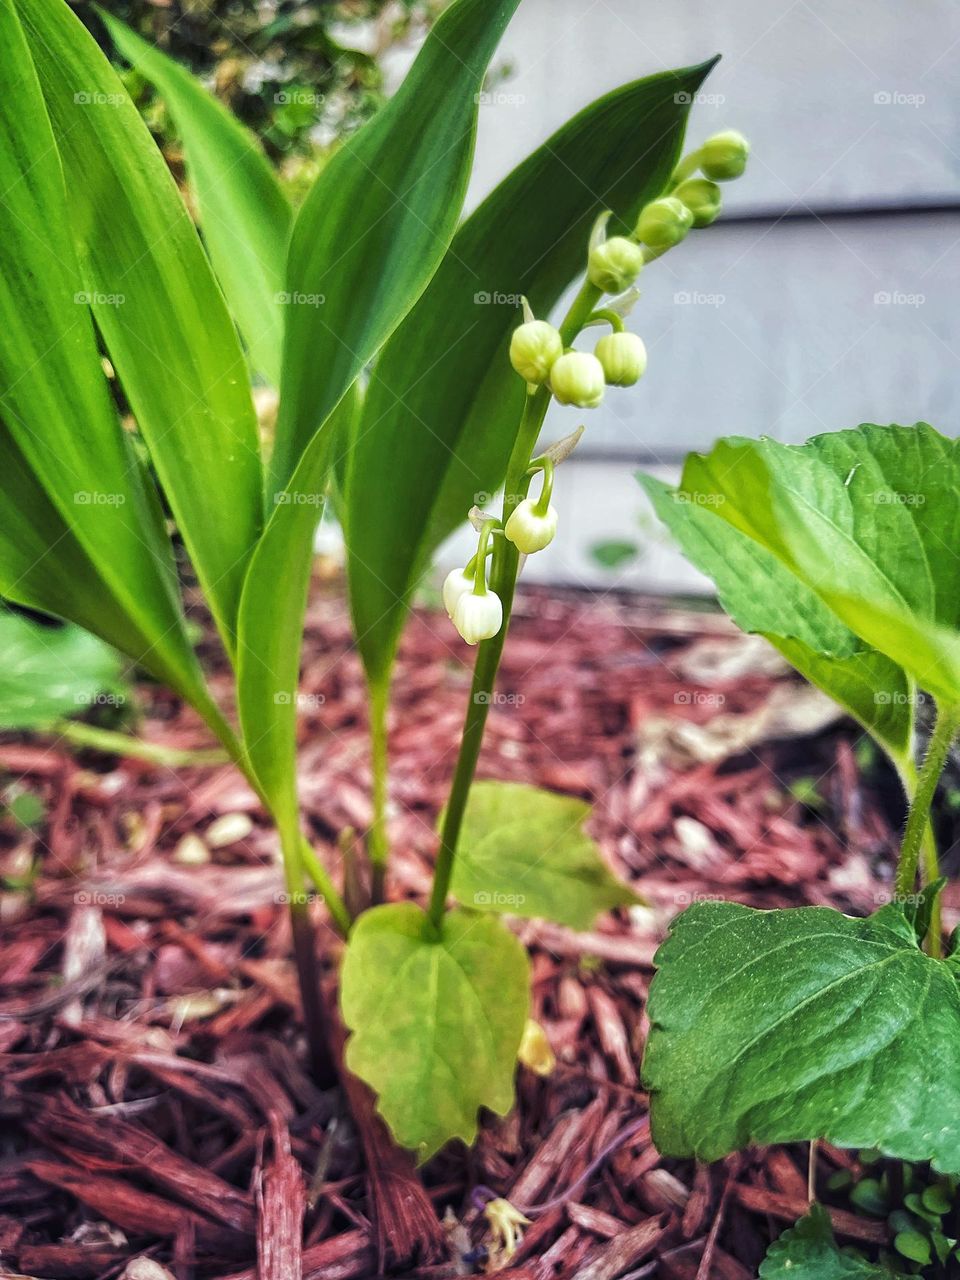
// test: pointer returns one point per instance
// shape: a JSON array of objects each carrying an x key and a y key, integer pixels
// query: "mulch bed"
[{"x": 156, "y": 1114}]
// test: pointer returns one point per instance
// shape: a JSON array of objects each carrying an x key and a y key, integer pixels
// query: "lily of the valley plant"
[{"x": 406, "y": 386}]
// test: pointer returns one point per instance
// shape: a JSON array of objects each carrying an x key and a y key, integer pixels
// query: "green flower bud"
[
  {"x": 533, "y": 349},
  {"x": 528, "y": 530},
  {"x": 664, "y": 223},
  {"x": 577, "y": 378},
  {"x": 478, "y": 617},
  {"x": 702, "y": 197},
  {"x": 623, "y": 357},
  {"x": 724, "y": 156},
  {"x": 615, "y": 264}
]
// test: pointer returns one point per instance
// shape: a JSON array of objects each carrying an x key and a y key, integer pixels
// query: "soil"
[{"x": 157, "y": 1116}]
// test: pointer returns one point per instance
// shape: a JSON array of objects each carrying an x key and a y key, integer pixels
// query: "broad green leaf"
[
  {"x": 762, "y": 595},
  {"x": 867, "y": 519},
  {"x": 785, "y": 1026},
  {"x": 271, "y": 626},
  {"x": 436, "y": 1021},
  {"x": 368, "y": 238},
  {"x": 378, "y": 221},
  {"x": 244, "y": 215},
  {"x": 64, "y": 436},
  {"x": 51, "y": 672},
  {"x": 443, "y": 406},
  {"x": 523, "y": 852},
  {"x": 157, "y": 305},
  {"x": 809, "y": 1251}
]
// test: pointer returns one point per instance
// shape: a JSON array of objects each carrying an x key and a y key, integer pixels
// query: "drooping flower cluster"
[{"x": 542, "y": 357}]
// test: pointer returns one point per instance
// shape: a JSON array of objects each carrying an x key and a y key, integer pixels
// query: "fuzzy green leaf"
[
  {"x": 436, "y": 1021},
  {"x": 51, "y": 672},
  {"x": 522, "y": 851},
  {"x": 158, "y": 306},
  {"x": 243, "y": 212},
  {"x": 762, "y": 595},
  {"x": 784, "y": 1026},
  {"x": 444, "y": 403},
  {"x": 809, "y": 1251}
]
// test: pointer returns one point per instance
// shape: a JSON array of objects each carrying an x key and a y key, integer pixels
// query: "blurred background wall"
[{"x": 828, "y": 293}]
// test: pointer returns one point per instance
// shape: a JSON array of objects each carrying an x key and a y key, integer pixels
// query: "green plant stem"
[
  {"x": 116, "y": 743},
  {"x": 929, "y": 857},
  {"x": 503, "y": 581},
  {"x": 379, "y": 846},
  {"x": 918, "y": 817}
]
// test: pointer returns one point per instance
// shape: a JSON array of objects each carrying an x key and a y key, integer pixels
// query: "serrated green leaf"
[
  {"x": 158, "y": 306},
  {"x": 436, "y": 1021},
  {"x": 782, "y": 1026},
  {"x": 809, "y": 1251},
  {"x": 68, "y": 464},
  {"x": 444, "y": 403},
  {"x": 867, "y": 520},
  {"x": 522, "y": 851},
  {"x": 50, "y": 672},
  {"x": 377, "y": 223},
  {"x": 244, "y": 215},
  {"x": 762, "y": 595}
]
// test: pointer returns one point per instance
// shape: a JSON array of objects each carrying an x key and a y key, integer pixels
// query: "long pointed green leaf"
[
  {"x": 244, "y": 215},
  {"x": 53, "y": 395},
  {"x": 158, "y": 306},
  {"x": 368, "y": 239},
  {"x": 443, "y": 405},
  {"x": 378, "y": 221}
]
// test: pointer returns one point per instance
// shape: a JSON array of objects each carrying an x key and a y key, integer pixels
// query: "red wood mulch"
[{"x": 156, "y": 1117}]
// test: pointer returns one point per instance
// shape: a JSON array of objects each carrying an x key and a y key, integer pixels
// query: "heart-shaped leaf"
[
  {"x": 809, "y": 1251},
  {"x": 782, "y": 1026},
  {"x": 436, "y": 1020},
  {"x": 522, "y": 851}
]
